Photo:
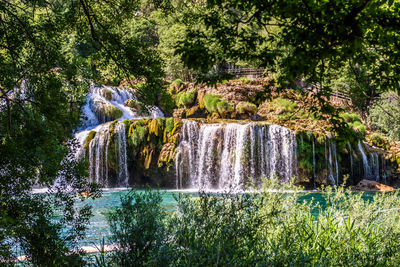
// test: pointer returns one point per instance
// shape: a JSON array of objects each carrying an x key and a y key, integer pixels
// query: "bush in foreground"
[{"x": 267, "y": 228}]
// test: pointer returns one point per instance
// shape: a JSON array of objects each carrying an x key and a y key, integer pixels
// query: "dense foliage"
[
  {"x": 50, "y": 51},
  {"x": 384, "y": 115},
  {"x": 308, "y": 38},
  {"x": 270, "y": 228}
]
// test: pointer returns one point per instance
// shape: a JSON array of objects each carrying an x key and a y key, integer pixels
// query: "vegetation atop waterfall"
[{"x": 272, "y": 227}]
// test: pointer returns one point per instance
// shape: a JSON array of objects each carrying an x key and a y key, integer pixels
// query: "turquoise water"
[{"x": 98, "y": 227}]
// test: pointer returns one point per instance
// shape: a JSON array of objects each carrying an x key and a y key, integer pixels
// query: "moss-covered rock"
[
  {"x": 134, "y": 105},
  {"x": 246, "y": 108},
  {"x": 169, "y": 125},
  {"x": 224, "y": 108},
  {"x": 187, "y": 99},
  {"x": 89, "y": 138},
  {"x": 354, "y": 122},
  {"x": 107, "y": 94},
  {"x": 137, "y": 134},
  {"x": 210, "y": 102},
  {"x": 105, "y": 111}
]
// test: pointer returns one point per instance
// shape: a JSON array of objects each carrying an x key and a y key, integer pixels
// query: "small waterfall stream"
[
  {"x": 123, "y": 174},
  {"x": 222, "y": 156},
  {"x": 313, "y": 162},
  {"x": 371, "y": 166}
]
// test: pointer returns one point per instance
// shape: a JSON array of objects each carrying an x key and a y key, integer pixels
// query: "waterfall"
[
  {"x": 123, "y": 175},
  {"x": 313, "y": 161},
  {"x": 98, "y": 156},
  {"x": 331, "y": 155},
  {"x": 336, "y": 163},
  {"x": 94, "y": 119},
  {"x": 351, "y": 159},
  {"x": 222, "y": 156},
  {"x": 376, "y": 166},
  {"x": 367, "y": 167}
]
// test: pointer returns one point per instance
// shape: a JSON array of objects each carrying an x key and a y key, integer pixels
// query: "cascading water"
[
  {"x": 376, "y": 166},
  {"x": 209, "y": 156},
  {"x": 123, "y": 175},
  {"x": 332, "y": 154},
  {"x": 222, "y": 156},
  {"x": 98, "y": 156},
  {"x": 313, "y": 161},
  {"x": 95, "y": 119},
  {"x": 367, "y": 168},
  {"x": 351, "y": 159}
]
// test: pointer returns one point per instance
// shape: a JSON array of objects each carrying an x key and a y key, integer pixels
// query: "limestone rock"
[{"x": 369, "y": 185}]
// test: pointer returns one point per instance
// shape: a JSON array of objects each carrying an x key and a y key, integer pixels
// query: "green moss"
[
  {"x": 350, "y": 117},
  {"x": 169, "y": 125},
  {"x": 358, "y": 126},
  {"x": 107, "y": 94},
  {"x": 138, "y": 135},
  {"x": 187, "y": 99},
  {"x": 177, "y": 126},
  {"x": 378, "y": 140},
  {"x": 224, "y": 108},
  {"x": 285, "y": 104},
  {"x": 89, "y": 138},
  {"x": 246, "y": 107},
  {"x": 284, "y": 108},
  {"x": 112, "y": 112},
  {"x": 177, "y": 82},
  {"x": 127, "y": 123},
  {"x": 210, "y": 102}
]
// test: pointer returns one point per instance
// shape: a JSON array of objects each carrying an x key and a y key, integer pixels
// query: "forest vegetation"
[{"x": 51, "y": 51}]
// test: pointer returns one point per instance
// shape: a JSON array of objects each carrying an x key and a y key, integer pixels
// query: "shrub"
[
  {"x": 223, "y": 108},
  {"x": 358, "y": 126},
  {"x": 245, "y": 80},
  {"x": 138, "y": 230},
  {"x": 354, "y": 122},
  {"x": 210, "y": 102},
  {"x": 350, "y": 117},
  {"x": 246, "y": 107},
  {"x": 284, "y": 108},
  {"x": 384, "y": 115},
  {"x": 187, "y": 99},
  {"x": 177, "y": 82},
  {"x": 377, "y": 140},
  {"x": 169, "y": 125},
  {"x": 284, "y": 104},
  {"x": 166, "y": 103},
  {"x": 269, "y": 228}
]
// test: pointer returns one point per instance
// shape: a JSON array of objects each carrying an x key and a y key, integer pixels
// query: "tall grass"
[{"x": 262, "y": 229}]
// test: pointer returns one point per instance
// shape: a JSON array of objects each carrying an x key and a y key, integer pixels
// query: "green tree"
[
  {"x": 49, "y": 52},
  {"x": 384, "y": 115},
  {"x": 310, "y": 40}
]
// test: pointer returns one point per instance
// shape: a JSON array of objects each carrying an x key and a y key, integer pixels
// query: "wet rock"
[{"x": 373, "y": 186}]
